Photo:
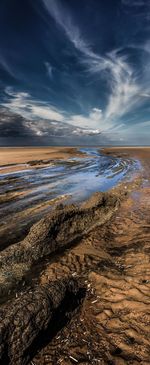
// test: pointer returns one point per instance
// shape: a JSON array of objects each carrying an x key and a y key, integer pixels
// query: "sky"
[{"x": 74, "y": 72}]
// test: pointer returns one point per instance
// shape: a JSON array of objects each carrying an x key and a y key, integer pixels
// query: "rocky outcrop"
[
  {"x": 53, "y": 233},
  {"x": 28, "y": 316}
]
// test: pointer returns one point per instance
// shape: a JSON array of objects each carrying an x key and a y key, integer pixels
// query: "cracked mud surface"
[{"x": 111, "y": 324}]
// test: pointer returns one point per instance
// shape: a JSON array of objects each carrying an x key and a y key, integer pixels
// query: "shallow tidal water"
[{"x": 35, "y": 190}]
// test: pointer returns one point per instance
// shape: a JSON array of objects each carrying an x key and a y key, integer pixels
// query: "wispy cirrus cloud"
[
  {"x": 24, "y": 104},
  {"x": 136, "y": 134},
  {"x": 64, "y": 20},
  {"x": 6, "y": 66},
  {"x": 49, "y": 69},
  {"x": 124, "y": 86},
  {"x": 145, "y": 95}
]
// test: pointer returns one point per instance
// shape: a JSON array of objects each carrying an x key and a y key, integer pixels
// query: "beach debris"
[
  {"x": 60, "y": 360},
  {"x": 74, "y": 274},
  {"x": 73, "y": 358},
  {"x": 95, "y": 301}
]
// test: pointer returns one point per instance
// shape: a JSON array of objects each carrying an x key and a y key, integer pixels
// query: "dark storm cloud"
[
  {"x": 85, "y": 64},
  {"x": 17, "y": 130}
]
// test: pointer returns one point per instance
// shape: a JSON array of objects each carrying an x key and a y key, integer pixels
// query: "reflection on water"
[{"x": 74, "y": 179}]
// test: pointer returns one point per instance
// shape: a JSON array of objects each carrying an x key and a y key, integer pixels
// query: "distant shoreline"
[{"x": 11, "y": 157}]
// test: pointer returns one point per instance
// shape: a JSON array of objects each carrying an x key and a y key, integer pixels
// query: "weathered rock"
[
  {"x": 54, "y": 232},
  {"x": 27, "y": 316}
]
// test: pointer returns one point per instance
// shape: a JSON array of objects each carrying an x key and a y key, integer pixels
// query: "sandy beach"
[
  {"x": 19, "y": 155},
  {"x": 140, "y": 152},
  {"x": 97, "y": 252},
  {"x": 75, "y": 182},
  {"x": 24, "y": 154},
  {"x": 32, "y": 156}
]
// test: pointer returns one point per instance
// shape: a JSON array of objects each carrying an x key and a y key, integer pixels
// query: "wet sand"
[
  {"x": 30, "y": 190},
  {"x": 110, "y": 322},
  {"x": 32, "y": 156},
  {"x": 113, "y": 323},
  {"x": 140, "y": 152}
]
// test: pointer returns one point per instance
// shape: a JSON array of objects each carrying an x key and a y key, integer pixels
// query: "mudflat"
[
  {"x": 76, "y": 288},
  {"x": 19, "y": 155},
  {"x": 140, "y": 152}
]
